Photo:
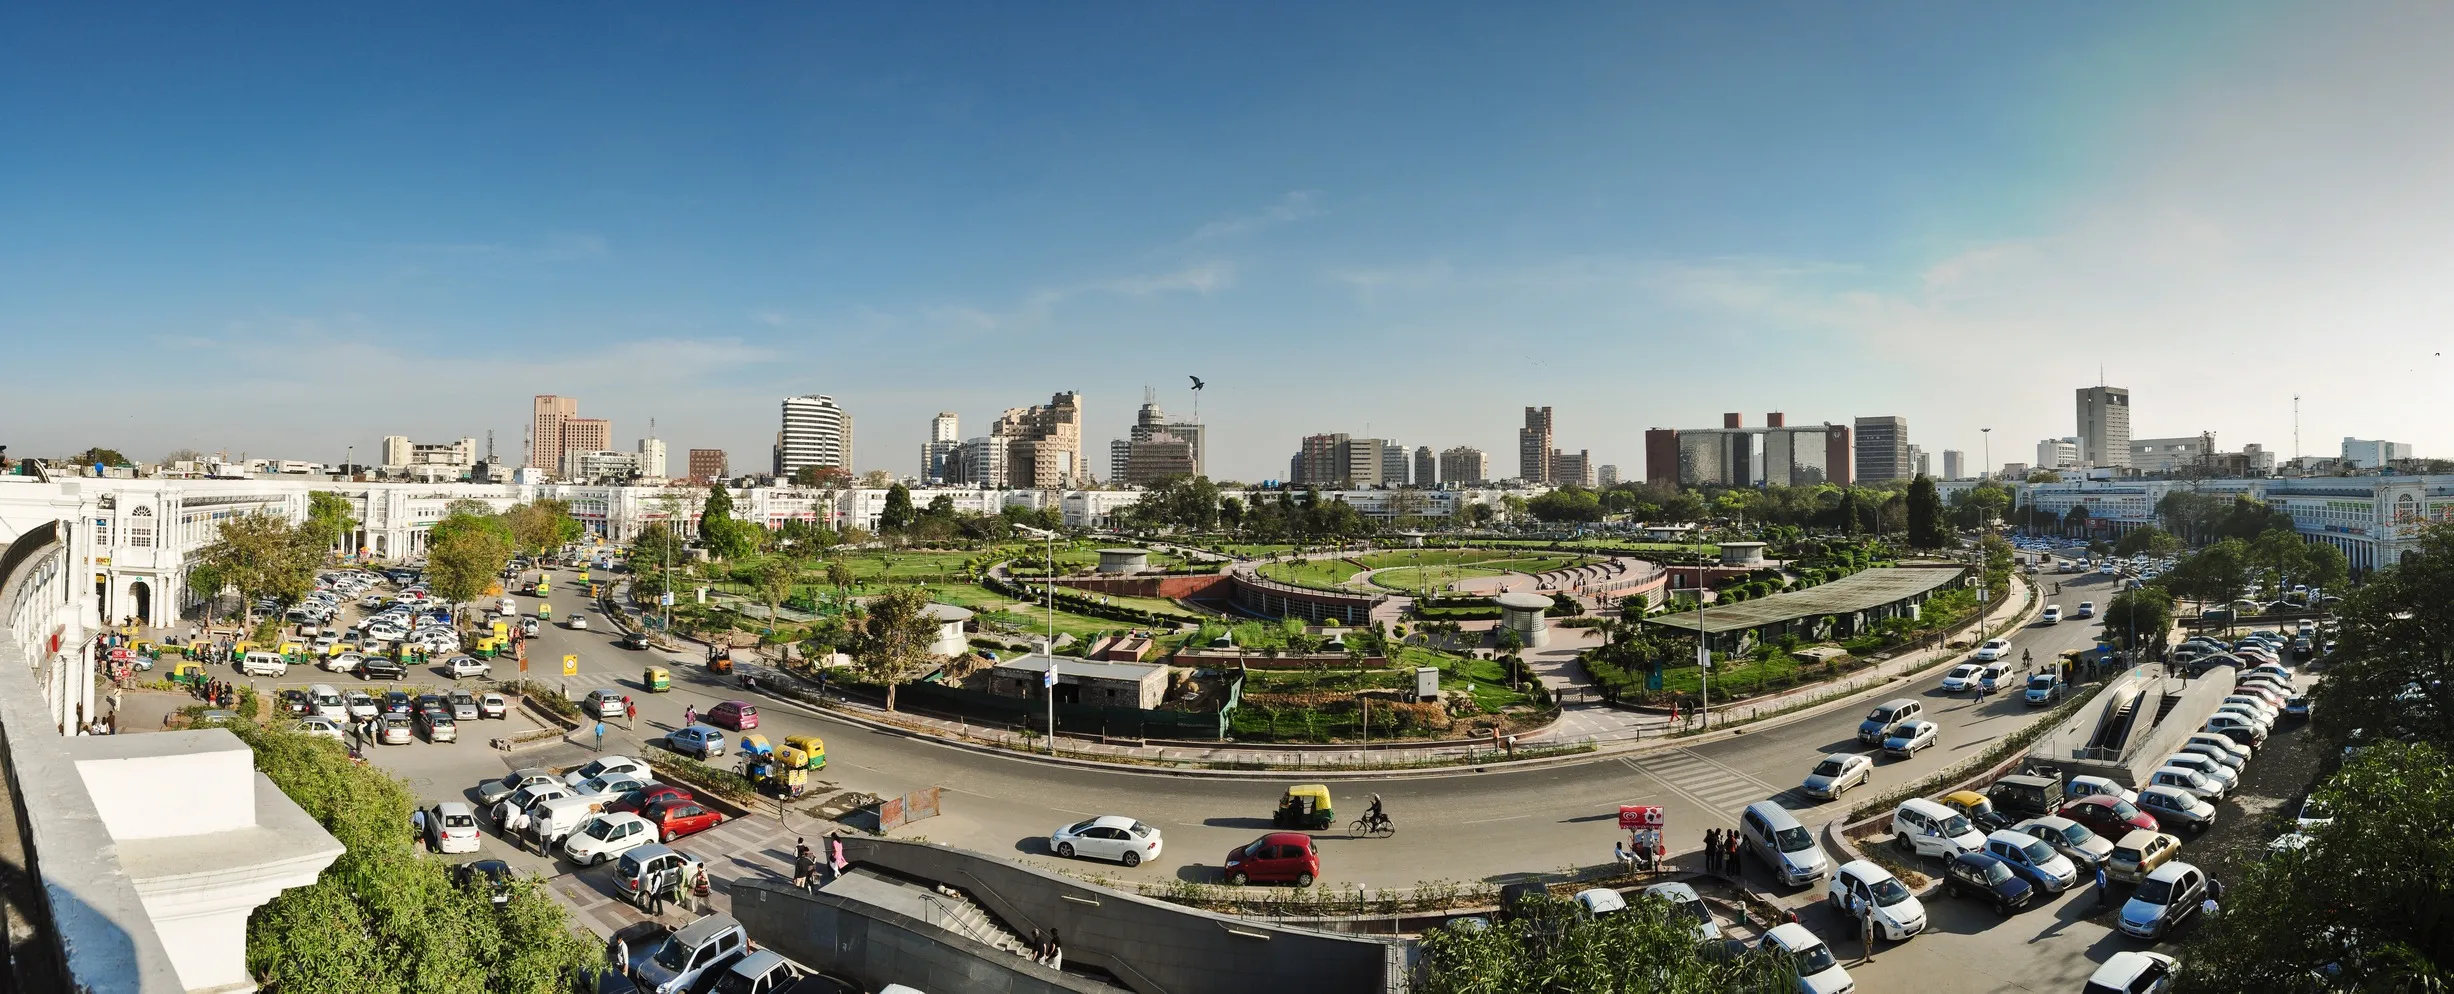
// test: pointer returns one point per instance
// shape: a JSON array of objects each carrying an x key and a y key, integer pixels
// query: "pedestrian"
[
  {"x": 1866, "y": 930},
  {"x": 621, "y": 953},
  {"x": 600, "y": 736},
  {"x": 1620, "y": 855},
  {"x": 655, "y": 894},
  {"x": 630, "y": 710},
  {"x": 1056, "y": 951},
  {"x": 1512, "y": 746},
  {"x": 417, "y": 821},
  {"x": 804, "y": 866},
  {"x": 1712, "y": 850},
  {"x": 1736, "y": 864},
  {"x": 2100, "y": 887},
  {"x": 690, "y": 715},
  {"x": 1039, "y": 946},
  {"x": 836, "y": 863}
]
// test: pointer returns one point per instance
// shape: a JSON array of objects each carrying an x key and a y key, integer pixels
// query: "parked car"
[
  {"x": 2108, "y": 815},
  {"x": 2217, "y": 753},
  {"x": 2164, "y": 900},
  {"x": 316, "y": 724},
  {"x": 2085, "y": 785},
  {"x": 2237, "y": 727},
  {"x": 2315, "y": 814},
  {"x": 675, "y": 818},
  {"x": 2206, "y": 766},
  {"x": 1909, "y": 736},
  {"x": 606, "y": 836},
  {"x": 2184, "y": 778},
  {"x": 451, "y": 827},
  {"x": 607, "y": 766},
  {"x": 1977, "y": 807},
  {"x": 2032, "y": 859},
  {"x": 2139, "y": 853},
  {"x": 1278, "y": 856},
  {"x": 2177, "y": 808},
  {"x": 438, "y": 726},
  {"x": 1115, "y": 837},
  {"x": 703, "y": 948},
  {"x": 647, "y": 796},
  {"x": 396, "y": 730},
  {"x": 493, "y": 706},
  {"x": 1872, "y": 889},
  {"x": 495, "y": 790},
  {"x": 464, "y": 705},
  {"x": 2132, "y": 971},
  {"x": 1982, "y": 877},
  {"x": 375, "y": 667},
  {"x": 1929, "y": 829},
  {"x": 1782, "y": 843},
  {"x": 1837, "y": 773},
  {"x": 2076, "y": 842},
  {"x": 696, "y": 741},
  {"x": 1819, "y": 972},
  {"x": 491, "y": 875},
  {"x": 1690, "y": 904},
  {"x": 467, "y": 666},
  {"x": 767, "y": 972}
]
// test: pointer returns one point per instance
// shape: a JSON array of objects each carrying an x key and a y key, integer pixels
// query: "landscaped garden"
[{"x": 1409, "y": 570}]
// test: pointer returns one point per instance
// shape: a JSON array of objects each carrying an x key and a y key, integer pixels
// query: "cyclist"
[
  {"x": 1375, "y": 817},
  {"x": 2027, "y": 657}
]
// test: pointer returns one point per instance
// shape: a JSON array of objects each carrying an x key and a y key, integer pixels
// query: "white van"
[
  {"x": 510, "y": 607},
  {"x": 555, "y": 819},
  {"x": 1930, "y": 829},
  {"x": 264, "y": 664},
  {"x": 328, "y": 702}
]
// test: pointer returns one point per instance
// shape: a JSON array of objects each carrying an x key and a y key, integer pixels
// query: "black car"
[
  {"x": 381, "y": 668},
  {"x": 295, "y": 702},
  {"x": 635, "y": 640},
  {"x": 435, "y": 703},
  {"x": 492, "y": 875},
  {"x": 396, "y": 702},
  {"x": 1982, "y": 877}
]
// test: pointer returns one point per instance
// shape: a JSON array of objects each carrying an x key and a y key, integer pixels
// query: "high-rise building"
[
  {"x": 816, "y": 433},
  {"x": 1734, "y": 455},
  {"x": 1952, "y": 460},
  {"x": 1607, "y": 476},
  {"x": 1572, "y": 469},
  {"x": 1883, "y": 449},
  {"x": 1465, "y": 466},
  {"x": 944, "y": 438},
  {"x": 707, "y": 465},
  {"x": 1662, "y": 456},
  {"x": 978, "y": 462},
  {"x": 395, "y": 451},
  {"x": 2060, "y": 453},
  {"x": 2367, "y": 453},
  {"x": 1338, "y": 460},
  {"x": 1044, "y": 444},
  {"x": 587, "y": 435},
  {"x": 1534, "y": 446},
  {"x": 1426, "y": 467},
  {"x": 2104, "y": 427},
  {"x": 545, "y": 430},
  {"x": 1174, "y": 448},
  {"x": 1393, "y": 464},
  {"x": 652, "y": 458},
  {"x": 1920, "y": 462}
]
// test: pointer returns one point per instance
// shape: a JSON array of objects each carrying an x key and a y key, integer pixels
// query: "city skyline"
[{"x": 2090, "y": 174}]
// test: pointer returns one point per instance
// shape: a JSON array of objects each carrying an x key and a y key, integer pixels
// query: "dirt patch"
[{"x": 2264, "y": 806}]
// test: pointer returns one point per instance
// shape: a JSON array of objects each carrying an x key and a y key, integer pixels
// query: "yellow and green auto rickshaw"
[
  {"x": 657, "y": 679},
  {"x": 545, "y": 613},
  {"x": 489, "y": 647},
  {"x": 188, "y": 674},
  {"x": 812, "y": 748},
  {"x": 789, "y": 776},
  {"x": 542, "y": 587},
  {"x": 583, "y": 576},
  {"x": 1306, "y": 806}
]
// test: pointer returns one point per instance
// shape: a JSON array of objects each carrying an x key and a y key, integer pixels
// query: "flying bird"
[{"x": 1197, "y": 383}]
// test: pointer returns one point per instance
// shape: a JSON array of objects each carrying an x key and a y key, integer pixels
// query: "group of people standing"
[
  {"x": 810, "y": 870},
  {"x": 1721, "y": 852}
]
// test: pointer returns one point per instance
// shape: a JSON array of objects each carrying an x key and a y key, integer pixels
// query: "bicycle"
[{"x": 1366, "y": 827}]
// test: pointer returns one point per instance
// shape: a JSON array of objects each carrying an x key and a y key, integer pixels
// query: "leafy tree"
[
  {"x": 896, "y": 633},
  {"x": 821, "y": 477},
  {"x": 898, "y": 514},
  {"x": 1550, "y": 945},
  {"x": 2213, "y": 575},
  {"x": 2147, "y": 541},
  {"x": 1995, "y": 557},
  {"x": 840, "y": 577},
  {"x": 1566, "y": 505},
  {"x": 877, "y": 479},
  {"x": 382, "y": 918},
  {"x": 1977, "y": 506},
  {"x": 182, "y": 455},
  {"x": 775, "y": 579},
  {"x": 650, "y": 554},
  {"x": 1925, "y": 515},
  {"x": 464, "y": 555},
  {"x": 2076, "y": 519},
  {"x": 101, "y": 456},
  {"x": 2393, "y": 669},
  {"x": 940, "y": 506},
  {"x": 2362, "y": 907},
  {"x": 723, "y": 536},
  {"x": 328, "y": 519},
  {"x": 542, "y": 525},
  {"x": 2043, "y": 476},
  {"x": 259, "y": 554},
  {"x": 2146, "y": 610}
]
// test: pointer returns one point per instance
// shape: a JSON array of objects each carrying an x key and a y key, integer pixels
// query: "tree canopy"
[
  {"x": 2393, "y": 668},
  {"x": 896, "y": 631},
  {"x": 465, "y": 553},
  {"x": 898, "y": 514},
  {"x": 542, "y": 525},
  {"x": 259, "y": 555},
  {"x": 723, "y": 535},
  {"x": 1551, "y": 945},
  {"x": 1925, "y": 515}
]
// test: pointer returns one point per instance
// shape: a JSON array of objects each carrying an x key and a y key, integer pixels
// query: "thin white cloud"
[{"x": 1289, "y": 208}]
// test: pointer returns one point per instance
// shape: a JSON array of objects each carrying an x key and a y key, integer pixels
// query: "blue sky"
[{"x": 284, "y": 229}]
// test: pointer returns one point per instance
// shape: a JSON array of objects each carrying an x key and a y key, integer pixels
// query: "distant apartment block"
[
  {"x": 1044, "y": 444},
  {"x": 1735, "y": 455},
  {"x": 945, "y": 436},
  {"x": 1465, "y": 466},
  {"x": 1534, "y": 446},
  {"x": 1954, "y": 464},
  {"x": 2364, "y": 453},
  {"x": 1606, "y": 476},
  {"x": 1426, "y": 467},
  {"x": 2060, "y": 453},
  {"x": 2104, "y": 427},
  {"x": 1883, "y": 449},
  {"x": 816, "y": 432},
  {"x": 707, "y": 465}
]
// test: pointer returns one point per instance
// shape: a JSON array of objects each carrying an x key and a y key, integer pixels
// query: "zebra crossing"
[{"x": 1713, "y": 786}]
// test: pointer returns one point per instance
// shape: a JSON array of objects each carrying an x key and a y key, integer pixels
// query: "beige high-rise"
[{"x": 545, "y": 430}]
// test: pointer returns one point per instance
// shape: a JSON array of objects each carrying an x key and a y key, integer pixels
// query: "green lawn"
[
  {"x": 1408, "y": 579},
  {"x": 1489, "y": 685},
  {"x": 1000, "y": 609}
]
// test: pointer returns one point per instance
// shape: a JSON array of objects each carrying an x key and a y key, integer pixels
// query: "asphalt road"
[{"x": 1489, "y": 826}]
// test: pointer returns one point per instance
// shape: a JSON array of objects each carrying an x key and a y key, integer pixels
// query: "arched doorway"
[{"x": 140, "y": 599}]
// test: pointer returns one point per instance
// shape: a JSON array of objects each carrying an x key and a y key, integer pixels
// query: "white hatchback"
[
  {"x": 606, "y": 836},
  {"x": 1113, "y": 837}
]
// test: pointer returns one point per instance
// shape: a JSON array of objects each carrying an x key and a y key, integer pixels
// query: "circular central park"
[{"x": 1270, "y": 643}]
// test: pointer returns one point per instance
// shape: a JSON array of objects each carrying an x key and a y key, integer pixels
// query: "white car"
[
  {"x": 1993, "y": 649},
  {"x": 461, "y": 666},
  {"x": 2132, "y": 971},
  {"x": 1961, "y": 677},
  {"x": 578, "y": 622},
  {"x": 606, "y": 836},
  {"x": 361, "y": 705},
  {"x": 2053, "y": 614},
  {"x": 1909, "y": 736},
  {"x": 1687, "y": 902},
  {"x": 1819, "y": 972},
  {"x": 1994, "y": 678},
  {"x": 1107, "y": 837},
  {"x": 2315, "y": 814},
  {"x": 608, "y": 766},
  {"x": 1838, "y": 772},
  {"x": 1863, "y": 885},
  {"x": 612, "y": 785},
  {"x": 318, "y": 725},
  {"x": 452, "y": 826},
  {"x": 346, "y": 662}
]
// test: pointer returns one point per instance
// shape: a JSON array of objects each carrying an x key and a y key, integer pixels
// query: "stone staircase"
[{"x": 956, "y": 912}]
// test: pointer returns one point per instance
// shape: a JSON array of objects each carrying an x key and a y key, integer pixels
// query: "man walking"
[
  {"x": 1712, "y": 850},
  {"x": 630, "y": 710},
  {"x": 804, "y": 865},
  {"x": 2100, "y": 887},
  {"x": 1737, "y": 864}
]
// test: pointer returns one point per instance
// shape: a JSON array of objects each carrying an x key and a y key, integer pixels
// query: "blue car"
[
  {"x": 2296, "y": 706},
  {"x": 697, "y": 741}
]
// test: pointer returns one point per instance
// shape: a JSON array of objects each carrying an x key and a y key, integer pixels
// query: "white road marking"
[{"x": 1486, "y": 821}]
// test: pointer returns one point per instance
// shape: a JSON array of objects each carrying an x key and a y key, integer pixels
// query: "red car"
[
  {"x": 740, "y": 716},
  {"x": 1275, "y": 857},
  {"x": 675, "y": 818},
  {"x": 640, "y": 800},
  {"x": 2107, "y": 815}
]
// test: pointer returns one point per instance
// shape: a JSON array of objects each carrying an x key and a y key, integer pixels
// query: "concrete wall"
[
  {"x": 877, "y": 947},
  {"x": 1152, "y": 946},
  {"x": 1278, "y": 600}
]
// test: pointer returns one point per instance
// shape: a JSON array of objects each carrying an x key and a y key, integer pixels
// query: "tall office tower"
[
  {"x": 1662, "y": 456},
  {"x": 1173, "y": 448},
  {"x": 1393, "y": 464},
  {"x": 1363, "y": 460},
  {"x": 707, "y": 465},
  {"x": 1426, "y": 467},
  {"x": 1044, "y": 444},
  {"x": 1883, "y": 449},
  {"x": 2104, "y": 426},
  {"x": 1465, "y": 466},
  {"x": 943, "y": 427},
  {"x": 652, "y": 458},
  {"x": 816, "y": 433},
  {"x": 1319, "y": 461},
  {"x": 1920, "y": 462},
  {"x": 940, "y": 447},
  {"x": 545, "y": 430},
  {"x": 1606, "y": 476},
  {"x": 586, "y": 435},
  {"x": 1572, "y": 469},
  {"x": 1952, "y": 459},
  {"x": 978, "y": 462},
  {"x": 1534, "y": 446}
]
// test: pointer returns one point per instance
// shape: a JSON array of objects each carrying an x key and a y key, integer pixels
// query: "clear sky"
[{"x": 284, "y": 229}]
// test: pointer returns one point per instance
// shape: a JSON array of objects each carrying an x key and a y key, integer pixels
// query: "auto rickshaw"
[
  {"x": 542, "y": 587},
  {"x": 145, "y": 648},
  {"x": 813, "y": 750},
  {"x": 489, "y": 647},
  {"x": 788, "y": 777},
  {"x": 1305, "y": 806},
  {"x": 188, "y": 674},
  {"x": 721, "y": 662},
  {"x": 757, "y": 756},
  {"x": 657, "y": 679},
  {"x": 583, "y": 576},
  {"x": 545, "y": 613}
]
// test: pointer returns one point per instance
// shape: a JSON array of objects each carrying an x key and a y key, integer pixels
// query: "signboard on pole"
[
  {"x": 1632, "y": 816},
  {"x": 570, "y": 665}
]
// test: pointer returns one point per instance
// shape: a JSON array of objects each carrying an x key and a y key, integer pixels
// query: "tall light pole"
[
  {"x": 1704, "y": 652},
  {"x": 1987, "y": 471},
  {"x": 1048, "y": 648}
]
